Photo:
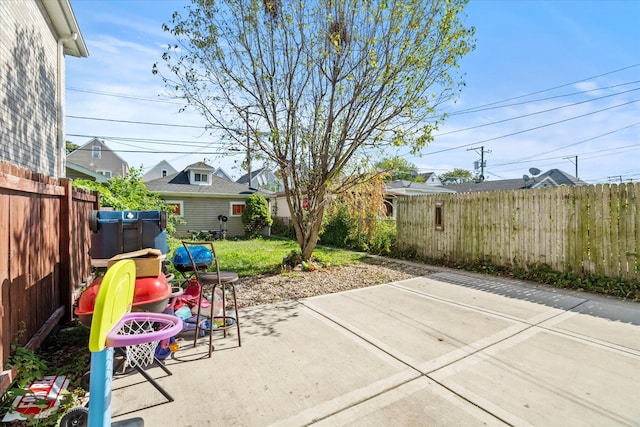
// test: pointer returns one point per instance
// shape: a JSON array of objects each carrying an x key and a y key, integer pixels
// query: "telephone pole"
[
  {"x": 248, "y": 146},
  {"x": 482, "y": 162}
]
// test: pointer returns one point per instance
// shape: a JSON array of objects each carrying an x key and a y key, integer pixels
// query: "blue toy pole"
[
  {"x": 100, "y": 388},
  {"x": 113, "y": 301}
]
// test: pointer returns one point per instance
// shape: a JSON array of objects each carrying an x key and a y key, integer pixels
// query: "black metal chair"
[{"x": 223, "y": 280}]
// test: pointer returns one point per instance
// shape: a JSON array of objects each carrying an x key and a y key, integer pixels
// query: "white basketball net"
[{"x": 140, "y": 355}]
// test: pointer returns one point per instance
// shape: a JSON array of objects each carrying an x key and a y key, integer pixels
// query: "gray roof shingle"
[
  {"x": 558, "y": 176},
  {"x": 179, "y": 183}
]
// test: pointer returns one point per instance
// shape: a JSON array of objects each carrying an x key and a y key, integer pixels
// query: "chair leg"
[
  {"x": 223, "y": 287},
  {"x": 235, "y": 307},
  {"x": 197, "y": 329},
  {"x": 211, "y": 319},
  {"x": 198, "y": 321}
]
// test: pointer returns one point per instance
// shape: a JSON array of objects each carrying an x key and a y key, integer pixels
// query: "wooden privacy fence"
[
  {"x": 44, "y": 245},
  {"x": 584, "y": 229}
]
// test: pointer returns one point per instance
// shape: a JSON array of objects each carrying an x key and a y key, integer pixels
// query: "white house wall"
[{"x": 28, "y": 69}]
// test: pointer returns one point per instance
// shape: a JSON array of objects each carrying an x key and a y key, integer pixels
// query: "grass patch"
[{"x": 264, "y": 256}]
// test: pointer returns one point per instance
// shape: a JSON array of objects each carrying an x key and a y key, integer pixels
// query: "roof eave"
[{"x": 65, "y": 25}]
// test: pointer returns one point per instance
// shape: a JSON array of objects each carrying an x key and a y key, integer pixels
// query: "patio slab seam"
[
  {"x": 547, "y": 319},
  {"x": 351, "y": 329}
]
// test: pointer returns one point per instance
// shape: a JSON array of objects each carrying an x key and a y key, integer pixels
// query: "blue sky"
[{"x": 548, "y": 81}]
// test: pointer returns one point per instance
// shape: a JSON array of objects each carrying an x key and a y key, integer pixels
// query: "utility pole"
[
  {"x": 575, "y": 162},
  {"x": 482, "y": 162},
  {"x": 246, "y": 111}
]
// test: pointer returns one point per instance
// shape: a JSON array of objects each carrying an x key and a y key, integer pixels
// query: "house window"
[
  {"x": 176, "y": 206},
  {"x": 237, "y": 208},
  {"x": 201, "y": 177},
  {"x": 164, "y": 173},
  {"x": 439, "y": 216},
  {"x": 96, "y": 152},
  {"x": 108, "y": 174}
]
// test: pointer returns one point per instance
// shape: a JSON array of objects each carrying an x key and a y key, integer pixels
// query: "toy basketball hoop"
[{"x": 140, "y": 333}]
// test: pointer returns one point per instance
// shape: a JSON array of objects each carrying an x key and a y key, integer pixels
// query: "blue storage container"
[{"x": 116, "y": 232}]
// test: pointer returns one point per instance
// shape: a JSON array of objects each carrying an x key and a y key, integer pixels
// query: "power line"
[
  {"x": 582, "y": 92},
  {"x": 120, "y": 95},
  {"x": 137, "y": 123},
  {"x": 555, "y": 87},
  {"x": 526, "y": 159},
  {"x": 148, "y": 140},
  {"x": 531, "y": 129},
  {"x": 536, "y": 113},
  {"x": 589, "y": 155},
  {"x": 228, "y": 152}
]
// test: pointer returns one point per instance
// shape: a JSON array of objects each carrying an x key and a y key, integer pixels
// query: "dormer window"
[
  {"x": 199, "y": 177},
  {"x": 200, "y": 174}
]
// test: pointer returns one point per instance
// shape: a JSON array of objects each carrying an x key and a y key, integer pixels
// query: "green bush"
[
  {"x": 384, "y": 238},
  {"x": 129, "y": 193},
  {"x": 292, "y": 259},
  {"x": 282, "y": 228},
  {"x": 343, "y": 231},
  {"x": 337, "y": 227},
  {"x": 256, "y": 215}
]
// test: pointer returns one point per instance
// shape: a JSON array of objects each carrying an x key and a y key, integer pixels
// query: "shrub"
[
  {"x": 282, "y": 228},
  {"x": 130, "y": 193},
  {"x": 384, "y": 238},
  {"x": 292, "y": 259},
  {"x": 256, "y": 215},
  {"x": 337, "y": 227}
]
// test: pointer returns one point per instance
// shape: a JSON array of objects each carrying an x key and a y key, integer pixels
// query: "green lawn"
[{"x": 264, "y": 256}]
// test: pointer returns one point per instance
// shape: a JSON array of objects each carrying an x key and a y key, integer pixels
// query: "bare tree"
[{"x": 316, "y": 82}]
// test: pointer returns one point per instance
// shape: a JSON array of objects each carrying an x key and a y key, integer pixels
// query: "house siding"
[
  {"x": 108, "y": 160},
  {"x": 28, "y": 70},
  {"x": 202, "y": 214},
  {"x": 156, "y": 171}
]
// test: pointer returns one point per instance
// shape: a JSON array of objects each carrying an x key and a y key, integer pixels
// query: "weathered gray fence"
[{"x": 591, "y": 229}]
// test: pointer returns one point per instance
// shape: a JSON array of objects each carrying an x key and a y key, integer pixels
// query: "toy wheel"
[
  {"x": 85, "y": 381},
  {"x": 76, "y": 417},
  {"x": 93, "y": 221}
]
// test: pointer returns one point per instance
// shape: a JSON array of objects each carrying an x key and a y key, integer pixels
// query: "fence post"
[{"x": 66, "y": 208}]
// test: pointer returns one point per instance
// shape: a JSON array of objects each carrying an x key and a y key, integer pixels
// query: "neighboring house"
[
  {"x": 201, "y": 199},
  {"x": 392, "y": 190},
  {"x": 96, "y": 156},
  {"x": 403, "y": 187},
  {"x": 262, "y": 179},
  {"x": 35, "y": 36},
  {"x": 431, "y": 178},
  {"x": 279, "y": 207},
  {"x": 78, "y": 172},
  {"x": 222, "y": 174},
  {"x": 38, "y": 267},
  {"x": 160, "y": 170},
  {"x": 551, "y": 178}
]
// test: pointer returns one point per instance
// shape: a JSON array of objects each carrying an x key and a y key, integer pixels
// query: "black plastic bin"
[{"x": 116, "y": 232}]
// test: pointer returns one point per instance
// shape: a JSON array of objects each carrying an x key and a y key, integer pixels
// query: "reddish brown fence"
[
  {"x": 592, "y": 229},
  {"x": 44, "y": 242}
]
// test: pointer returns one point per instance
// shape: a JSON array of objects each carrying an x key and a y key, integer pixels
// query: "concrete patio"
[{"x": 450, "y": 349}]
